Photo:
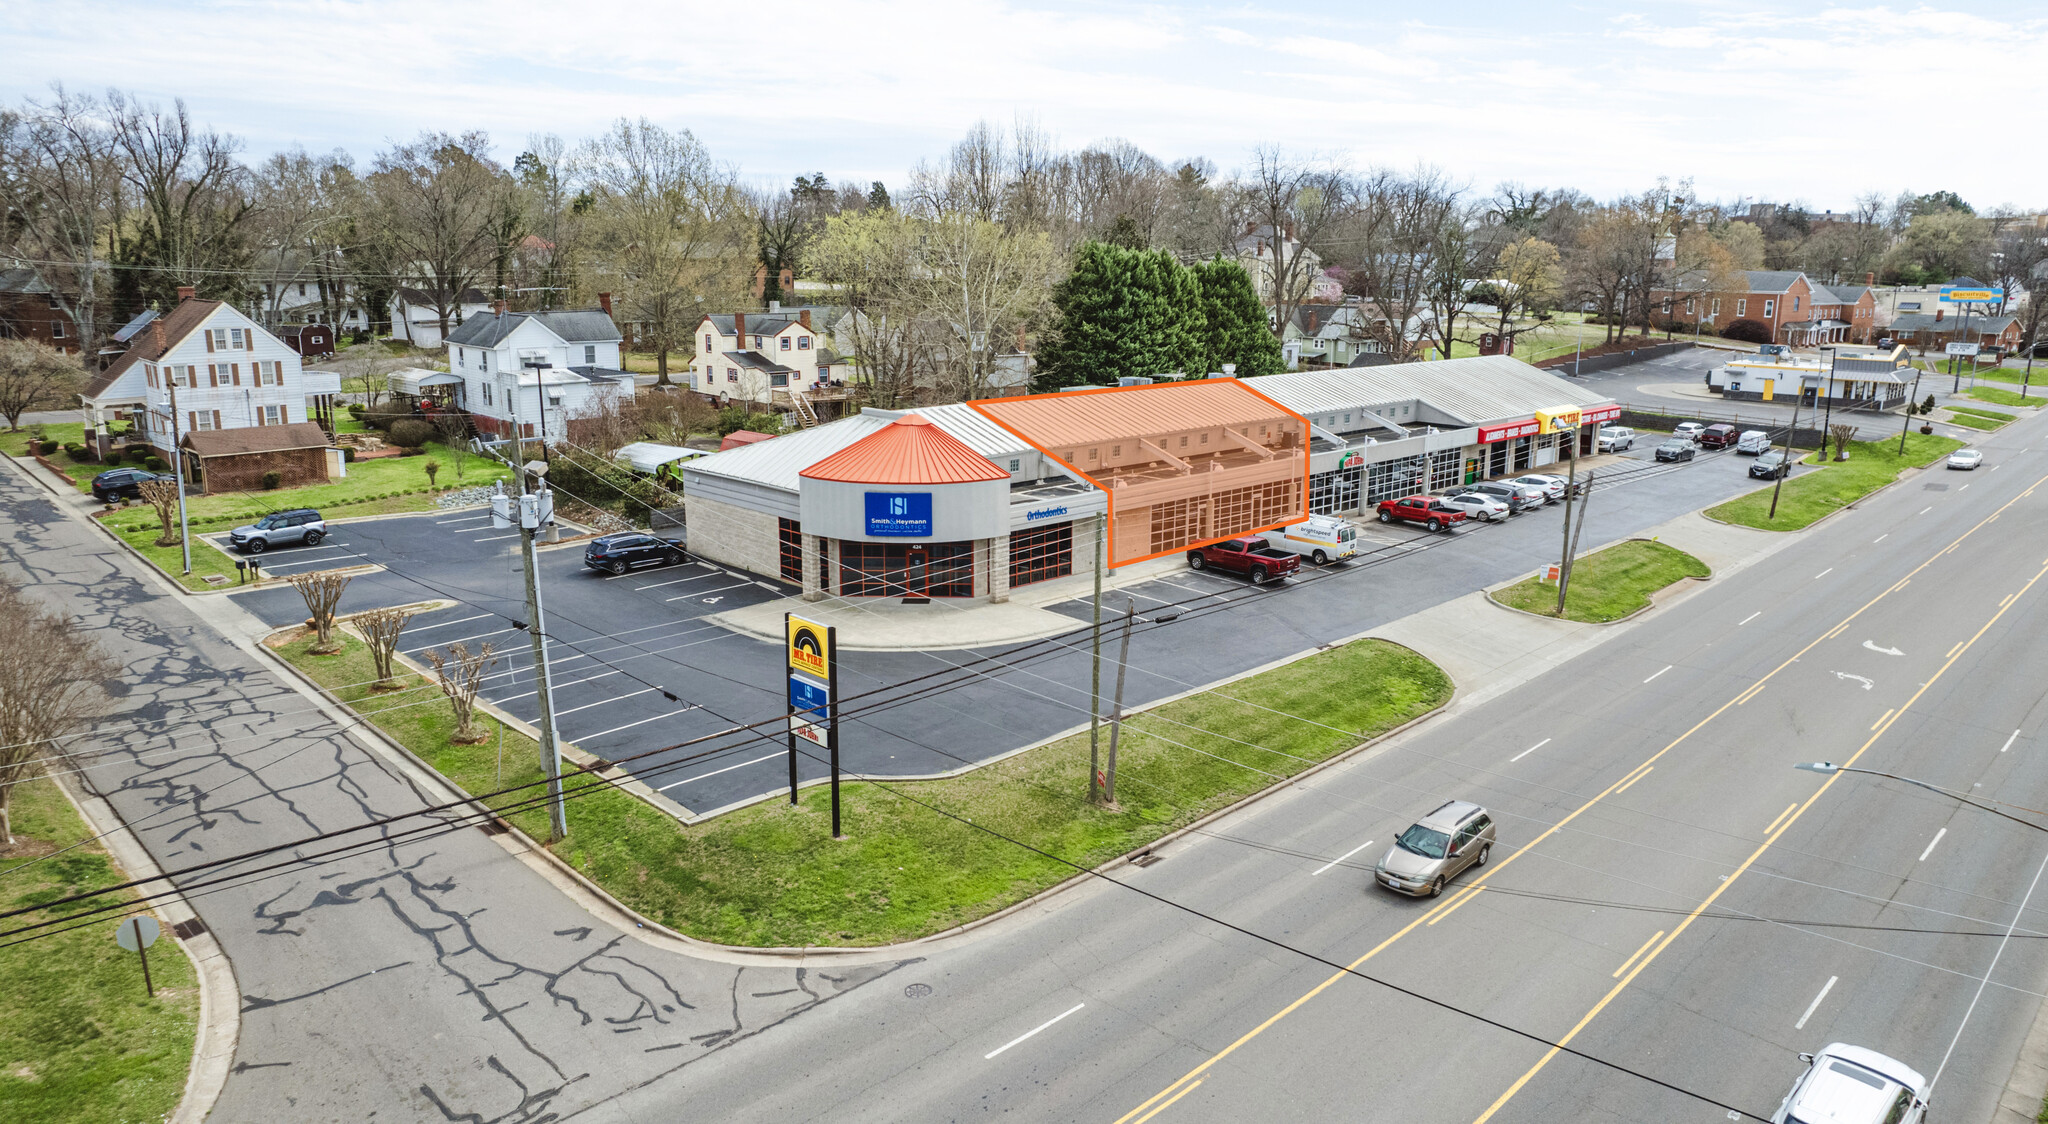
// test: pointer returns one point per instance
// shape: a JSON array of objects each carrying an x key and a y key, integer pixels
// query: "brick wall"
[
  {"x": 244, "y": 473},
  {"x": 734, "y": 536}
]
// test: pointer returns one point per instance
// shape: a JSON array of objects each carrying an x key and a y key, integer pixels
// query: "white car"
[
  {"x": 1478, "y": 506},
  {"x": 1615, "y": 438},
  {"x": 1689, "y": 431},
  {"x": 1965, "y": 458},
  {"x": 1755, "y": 442},
  {"x": 1846, "y": 1084},
  {"x": 1552, "y": 486}
]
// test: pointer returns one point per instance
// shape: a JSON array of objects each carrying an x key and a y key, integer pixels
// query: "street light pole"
[
  {"x": 1785, "y": 469},
  {"x": 1829, "y": 768},
  {"x": 1827, "y": 390}
]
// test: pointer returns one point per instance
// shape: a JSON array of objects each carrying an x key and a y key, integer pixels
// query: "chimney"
[
  {"x": 1869, "y": 278},
  {"x": 604, "y": 301},
  {"x": 1250, "y": 227},
  {"x": 1020, "y": 338},
  {"x": 739, "y": 330},
  {"x": 498, "y": 307},
  {"x": 1939, "y": 313},
  {"x": 803, "y": 316},
  {"x": 185, "y": 293},
  {"x": 1315, "y": 320},
  {"x": 156, "y": 333}
]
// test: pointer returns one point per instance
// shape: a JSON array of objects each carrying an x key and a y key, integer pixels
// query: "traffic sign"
[{"x": 137, "y": 933}]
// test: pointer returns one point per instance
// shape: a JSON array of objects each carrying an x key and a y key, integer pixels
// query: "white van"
[
  {"x": 1322, "y": 538},
  {"x": 1753, "y": 442}
]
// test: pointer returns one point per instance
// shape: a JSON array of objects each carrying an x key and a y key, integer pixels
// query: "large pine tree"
[
  {"x": 1122, "y": 312},
  {"x": 1234, "y": 328}
]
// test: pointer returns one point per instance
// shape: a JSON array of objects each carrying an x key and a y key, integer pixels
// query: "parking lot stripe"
[
  {"x": 714, "y": 589},
  {"x": 1340, "y": 858},
  {"x": 1931, "y": 843},
  {"x": 677, "y": 581},
  {"x": 445, "y": 624},
  {"x": 496, "y": 538},
  {"x": 603, "y": 702},
  {"x": 715, "y": 772},
  {"x": 642, "y": 722},
  {"x": 460, "y": 640},
  {"x": 2008, "y": 742}
]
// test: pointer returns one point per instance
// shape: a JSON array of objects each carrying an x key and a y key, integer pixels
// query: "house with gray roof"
[
  {"x": 31, "y": 310},
  {"x": 1791, "y": 306},
  {"x": 551, "y": 371},
  {"x": 768, "y": 361},
  {"x": 416, "y": 320}
]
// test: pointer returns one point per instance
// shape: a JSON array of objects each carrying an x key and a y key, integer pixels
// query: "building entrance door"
[{"x": 916, "y": 568}]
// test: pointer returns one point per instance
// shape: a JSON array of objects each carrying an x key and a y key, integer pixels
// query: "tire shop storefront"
[{"x": 911, "y": 506}]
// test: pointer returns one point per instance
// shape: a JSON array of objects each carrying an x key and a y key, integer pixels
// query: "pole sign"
[
  {"x": 810, "y": 648},
  {"x": 1966, "y": 349},
  {"x": 137, "y": 933},
  {"x": 1954, "y": 295},
  {"x": 812, "y": 658},
  {"x": 812, "y": 703}
]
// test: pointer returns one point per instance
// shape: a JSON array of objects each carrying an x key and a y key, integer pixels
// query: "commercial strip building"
[
  {"x": 1871, "y": 378},
  {"x": 975, "y": 500}
]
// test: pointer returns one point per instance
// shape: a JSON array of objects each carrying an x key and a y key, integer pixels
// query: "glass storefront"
[{"x": 875, "y": 569}]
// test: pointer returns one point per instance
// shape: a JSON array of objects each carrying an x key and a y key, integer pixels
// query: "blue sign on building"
[
  {"x": 810, "y": 697},
  {"x": 900, "y": 514}
]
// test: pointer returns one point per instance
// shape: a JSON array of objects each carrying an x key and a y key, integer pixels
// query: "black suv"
[
  {"x": 615, "y": 554},
  {"x": 122, "y": 484},
  {"x": 280, "y": 528}
]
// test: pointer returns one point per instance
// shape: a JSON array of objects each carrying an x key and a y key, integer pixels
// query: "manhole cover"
[
  {"x": 1934, "y": 487},
  {"x": 917, "y": 991}
]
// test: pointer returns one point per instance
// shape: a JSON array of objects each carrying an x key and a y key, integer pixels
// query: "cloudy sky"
[{"x": 1817, "y": 103}]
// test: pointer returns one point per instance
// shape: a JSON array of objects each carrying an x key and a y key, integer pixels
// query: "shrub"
[
  {"x": 78, "y": 452},
  {"x": 273, "y": 480},
  {"x": 411, "y": 433},
  {"x": 356, "y": 410},
  {"x": 154, "y": 463},
  {"x": 1748, "y": 331},
  {"x": 433, "y": 469},
  {"x": 348, "y": 454},
  {"x": 137, "y": 454},
  {"x": 386, "y": 415}
]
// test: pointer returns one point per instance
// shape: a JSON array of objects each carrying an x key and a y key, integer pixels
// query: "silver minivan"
[
  {"x": 1435, "y": 849},
  {"x": 1755, "y": 442}
]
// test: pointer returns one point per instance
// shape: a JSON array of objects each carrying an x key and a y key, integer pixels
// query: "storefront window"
[
  {"x": 872, "y": 569},
  {"x": 1041, "y": 553},
  {"x": 1336, "y": 490},
  {"x": 790, "y": 537}
]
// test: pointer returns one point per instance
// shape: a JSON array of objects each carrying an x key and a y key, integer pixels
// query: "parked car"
[
  {"x": 1435, "y": 849},
  {"x": 1754, "y": 442},
  {"x": 122, "y": 484},
  {"x": 1689, "y": 431},
  {"x": 1322, "y": 539},
  {"x": 1770, "y": 466},
  {"x": 1676, "y": 450},
  {"x": 1966, "y": 458},
  {"x": 1477, "y": 505},
  {"x": 1247, "y": 556},
  {"x": 1615, "y": 438},
  {"x": 1846, "y": 1084},
  {"x": 280, "y": 528},
  {"x": 1430, "y": 511},
  {"x": 630, "y": 550},
  {"x": 1517, "y": 497},
  {"x": 1718, "y": 437},
  {"x": 1552, "y": 487}
]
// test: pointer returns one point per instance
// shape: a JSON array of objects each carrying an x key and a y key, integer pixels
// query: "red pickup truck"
[
  {"x": 1429, "y": 511},
  {"x": 1251, "y": 557}
]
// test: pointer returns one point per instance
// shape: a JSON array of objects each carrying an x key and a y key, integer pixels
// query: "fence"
[
  {"x": 1804, "y": 436},
  {"x": 1567, "y": 365}
]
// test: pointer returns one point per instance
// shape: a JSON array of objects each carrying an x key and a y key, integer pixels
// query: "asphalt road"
[
  {"x": 625, "y": 644},
  {"x": 1669, "y": 894}
]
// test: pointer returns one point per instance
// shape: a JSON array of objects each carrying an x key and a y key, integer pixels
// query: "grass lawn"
[
  {"x": 771, "y": 875},
  {"x": 1607, "y": 585},
  {"x": 1809, "y": 496},
  {"x": 1969, "y": 422},
  {"x": 2001, "y": 397},
  {"x": 80, "y": 1040},
  {"x": 2018, "y": 376}
]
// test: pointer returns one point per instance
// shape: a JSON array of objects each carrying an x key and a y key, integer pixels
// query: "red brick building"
[
  {"x": 1796, "y": 309},
  {"x": 31, "y": 310}
]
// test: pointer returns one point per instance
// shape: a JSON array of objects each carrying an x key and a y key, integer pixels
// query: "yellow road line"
[
  {"x": 1634, "y": 779},
  {"x": 1774, "y": 823},
  {"x": 1952, "y": 651},
  {"x": 1195, "y": 1073},
  {"x": 1753, "y": 692},
  {"x": 1638, "y": 952},
  {"x": 1456, "y": 905},
  {"x": 1169, "y": 1104},
  {"x": 1880, "y": 719},
  {"x": 1456, "y": 900},
  {"x": 1617, "y": 989}
]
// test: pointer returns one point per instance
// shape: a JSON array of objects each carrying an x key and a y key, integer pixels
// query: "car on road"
[
  {"x": 1615, "y": 438},
  {"x": 1435, "y": 849},
  {"x": 1552, "y": 487},
  {"x": 1321, "y": 539},
  {"x": 1430, "y": 511},
  {"x": 1689, "y": 431},
  {"x": 1753, "y": 443},
  {"x": 630, "y": 550},
  {"x": 122, "y": 484},
  {"x": 1846, "y": 1084},
  {"x": 1248, "y": 556},
  {"x": 1676, "y": 450},
  {"x": 1476, "y": 505},
  {"x": 300, "y": 526},
  {"x": 1718, "y": 437},
  {"x": 1966, "y": 458},
  {"x": 1517, "y": 497},
  {"x": 1770, "y": 466}
]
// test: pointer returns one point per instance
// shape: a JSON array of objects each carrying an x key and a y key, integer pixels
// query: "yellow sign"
[
  {"x": 1557, "y": 421},
  {"x": 810, "y": 648}
]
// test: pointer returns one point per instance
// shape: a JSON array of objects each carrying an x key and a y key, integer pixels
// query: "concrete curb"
[
  {"x": 1658, "y": 596},
  {"x": 1905, "y": 474}
]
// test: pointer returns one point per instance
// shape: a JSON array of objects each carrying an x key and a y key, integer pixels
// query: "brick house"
[
  {"x": 1796, "y": 309},
  {"x": 235, "y": 460},
  {"x": 31, "y": 310},
  {"x": 1924, "y": 331}
]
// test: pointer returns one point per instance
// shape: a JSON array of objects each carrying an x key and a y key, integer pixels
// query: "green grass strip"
[
  {"x": 1609, "y": 584},
  {"x": 1970, "y": 422},
  {"x": 1811, "y": 495},
  {"x": 2001, "y": 397},
  {"x": 1977, "y": 412}
]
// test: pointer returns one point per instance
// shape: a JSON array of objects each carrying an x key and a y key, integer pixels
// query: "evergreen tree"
[
  {"x": 1122, "y": 312},
  {"x": 1233, "y": 322},
  {"x": 1174, "y": 316}
]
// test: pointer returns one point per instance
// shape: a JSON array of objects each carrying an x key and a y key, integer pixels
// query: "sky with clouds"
[{"x": 1818, "y": 103}]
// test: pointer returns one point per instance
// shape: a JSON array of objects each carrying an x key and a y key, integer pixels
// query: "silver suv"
[
  {"x": 1437, "y": 848},
  {"x": 280, "y": 528},
  {"x": 1846, "y": 1084}
]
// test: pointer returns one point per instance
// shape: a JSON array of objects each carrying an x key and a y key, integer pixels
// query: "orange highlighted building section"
[{"x": 1183, "y": 463}]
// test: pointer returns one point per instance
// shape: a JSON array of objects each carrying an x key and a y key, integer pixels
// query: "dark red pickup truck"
[
  {"x": 1429, "y": 511},
  {"x": 1251, "y": 557}
]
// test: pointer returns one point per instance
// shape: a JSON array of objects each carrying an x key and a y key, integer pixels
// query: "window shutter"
[
  {"x": 249, "y": 334},
  {"x": 216, "y": 419},
  {"x": 209, "y": 341},
  {"x": 213, "y": 374},
  {"x": 191, "y": 420},
  {"x": 235, "y": 373}
]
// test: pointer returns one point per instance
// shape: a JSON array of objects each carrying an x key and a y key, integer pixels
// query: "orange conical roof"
[{"x": 909, "y": 450}]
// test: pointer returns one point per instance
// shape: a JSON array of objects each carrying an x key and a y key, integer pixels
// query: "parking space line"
[
  {"x": 496, "y": 538},
  {"x": 464, "y": 518},
  {"x": 1340, "y": 858},
  {"x": 729, "y": 768},
  {"x": 1815, "y": 1005},
  {"x": 677, "y": 581},
  {"x": 1528, "y": 751},
  {"x": 604, "y": 702},
  {"x": 642, "y": 722},
  {"x": 1931, "y": 843},
  {"x": 714, "y": 589},
  {"x": 1638, "y": 952},
  {"x": 445, "y": 624},
  {"x": 1032, "y": 1031},
  {"x": 460, "y": 640}
]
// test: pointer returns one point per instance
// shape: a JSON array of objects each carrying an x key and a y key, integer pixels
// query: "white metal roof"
[
  {"x": 776, "y": 462},
  {"x": 1474, "y": 390}
]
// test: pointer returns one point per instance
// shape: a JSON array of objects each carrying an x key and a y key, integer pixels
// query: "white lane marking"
[
  {"x": 642, "y": 722},
  {"x": 444, "y": 624},
  {"x": 1338, "y": 859},
  {"x": 1667, "y": 667},
  {"x": 1928, "y": 508},
  {"x": 462, "y": 640},
  {"x": 496, "y": 538},
  {"x": 1032, "y": 1031},
  {"x": 1986, "y": 979},
  {"x": 702, "y": 592},
  {"x": 1880, "y": 538},
  {"x": 1931, "y": 843},
  {"x": 1815, "y": 1005},
  {"x": 601, "y": 702},
  {"x": 727, "y": 769},
  {"x": 1964, "y": 488},
  {"x": 1749, "y": 618},
  {"x": 2008, "y": 742},
  {"x": 1994, "y": 468},
  {"x": 1528, "y": 751},
  {"x": 1867, "y": 684},
  {"x": 1824, "y": 573},
  {"x": 677, "y": 581},
  {"x": 1872, "y": 645}
]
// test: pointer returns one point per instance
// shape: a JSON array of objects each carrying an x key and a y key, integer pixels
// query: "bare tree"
[
  {"x": 381, "y": 629},
  {"x": 460, "y": 674},
  {"x": 300, "y": 200},
  {"x": 163, "y": 496},
  {"x": 1398, "y": 235},
  {"x": 34, "y": 376},
  {"x": 61, "y": 192},
  {"x": 321, "y": 590},
  {"x": 194, "y": 200},
  {"x": 439, "y": 201},
  {"x": 978, "y": 282},
  {"x": 1291, "y": 206},
  {"x": 52, "y": 680},
  {"x": 543, "y": 173},
  {"x": 454, "y": 432},
  {"x": 1528, "y": 277},
  {"x": 869, "y": 256}
]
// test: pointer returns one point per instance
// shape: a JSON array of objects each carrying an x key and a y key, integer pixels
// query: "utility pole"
[
  {"x": 529, "y": 518},
  {"x": 1571, "y": 488},
  {"x": 1827, "y": 390},
  {"x": 178, "y": 465},
  {"x": 1578, "y": 536},
  {"x": 1116, "y": 712},
  {"x": 1095, "y": 777},
  {"x": 1785, "y": 469},
  {"x": 1912, "y": 403}
]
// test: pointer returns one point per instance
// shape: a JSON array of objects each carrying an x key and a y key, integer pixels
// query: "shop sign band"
[{"x": 813, "y": 665}]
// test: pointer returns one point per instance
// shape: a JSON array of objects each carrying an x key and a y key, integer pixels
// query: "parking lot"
[{"x": 622, "y": 646}]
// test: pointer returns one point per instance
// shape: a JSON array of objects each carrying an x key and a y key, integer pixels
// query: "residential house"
[
  {"x": 1328, "y": 335},
  {"x": 205, "y": 367},
  {"x": 1259, "y": 250},
  {"x": 769, "y": 361},
  {"x": 1932, "y": 332},
  {"x": 566, "y": 363},
  {"x": 1793, "y": 307},
  {"x": 415, "y": 319},
  {"x": 305, "y": 302},
  {"x": 31, "y": 310}
]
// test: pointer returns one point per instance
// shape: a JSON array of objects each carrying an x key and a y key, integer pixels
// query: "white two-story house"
[
  {"x": 750, "y": 357},
  {"x": 565, "y": 363}
]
